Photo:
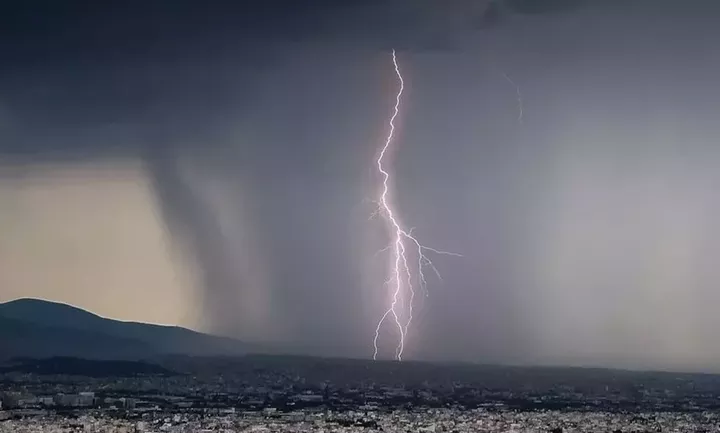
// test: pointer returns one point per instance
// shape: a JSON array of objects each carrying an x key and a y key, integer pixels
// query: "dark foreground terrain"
[{"x": 257, "y": 392}]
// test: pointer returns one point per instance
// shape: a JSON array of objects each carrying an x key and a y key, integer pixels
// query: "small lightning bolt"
[
  {"x": 518, "y": 93},
  {"x": 400, "y": 280}
]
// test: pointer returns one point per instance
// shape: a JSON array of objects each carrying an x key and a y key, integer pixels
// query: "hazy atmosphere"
[{"x": 211, "y": 165}]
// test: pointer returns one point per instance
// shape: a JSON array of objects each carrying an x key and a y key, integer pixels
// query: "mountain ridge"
[{"x": 37, "y": 327}]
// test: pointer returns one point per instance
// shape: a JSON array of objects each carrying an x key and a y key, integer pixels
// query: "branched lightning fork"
[{"x": 400, "y": 280}]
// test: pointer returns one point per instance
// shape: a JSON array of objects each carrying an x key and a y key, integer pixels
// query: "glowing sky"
[{"x": 90, "y": 235}]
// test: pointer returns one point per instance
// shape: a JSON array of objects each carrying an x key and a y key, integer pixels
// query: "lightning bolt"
[
  {"x": 518, "y": 94},
  {"x": 400, "y": 280}
]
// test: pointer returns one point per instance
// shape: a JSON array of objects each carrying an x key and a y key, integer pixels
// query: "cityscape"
[{"x": 287, "y": 393}]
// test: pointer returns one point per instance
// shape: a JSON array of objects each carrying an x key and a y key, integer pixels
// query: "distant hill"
[
  {"x": 38, "y": 328},
  {"x": 84, "y": 367}
]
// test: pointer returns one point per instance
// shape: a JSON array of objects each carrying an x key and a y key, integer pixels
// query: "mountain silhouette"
[{"x": 38, "y": 328}]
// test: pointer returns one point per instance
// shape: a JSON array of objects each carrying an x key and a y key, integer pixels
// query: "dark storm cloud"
[
  {"x": 181, "y": 78},
  {"x": 544, "y": 7},
  {"x": 258, "y": 123}
]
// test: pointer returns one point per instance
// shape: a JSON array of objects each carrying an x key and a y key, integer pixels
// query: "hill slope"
[
  {"x": 84, "y": 367},
  {"x": 37, "y": 328}
]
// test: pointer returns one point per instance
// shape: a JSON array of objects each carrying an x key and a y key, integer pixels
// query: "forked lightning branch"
[{"x": 402, "y": 281}]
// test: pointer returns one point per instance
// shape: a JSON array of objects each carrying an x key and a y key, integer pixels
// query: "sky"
[{"x": 213, "y": 166}]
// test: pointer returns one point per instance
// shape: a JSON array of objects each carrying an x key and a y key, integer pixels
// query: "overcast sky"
[{"x": 212, "y": 166}]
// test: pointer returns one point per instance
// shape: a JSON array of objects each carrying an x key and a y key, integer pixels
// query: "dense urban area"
[{"x": 286, "y": 394}]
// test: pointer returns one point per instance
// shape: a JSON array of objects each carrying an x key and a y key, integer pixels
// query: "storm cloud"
[{"x": 587, "y": 230}]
